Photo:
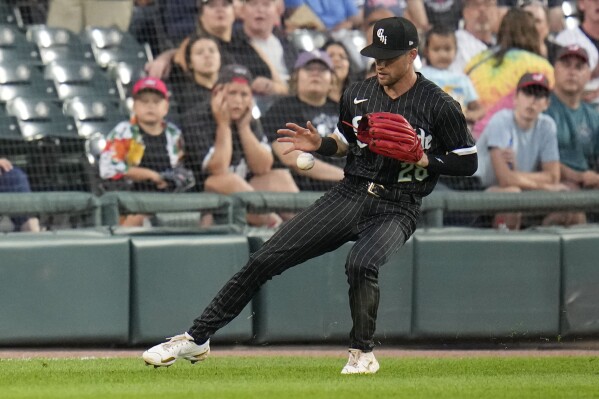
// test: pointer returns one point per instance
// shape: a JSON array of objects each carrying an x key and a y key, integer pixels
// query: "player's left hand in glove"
[
  {"x": 178, "y": 179},
  {"x": 390, "y": 135}
]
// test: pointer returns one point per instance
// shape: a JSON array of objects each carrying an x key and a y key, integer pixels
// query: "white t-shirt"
[
  {"x": 468, "y": 47},
  {"x": 273, "y": 49}
]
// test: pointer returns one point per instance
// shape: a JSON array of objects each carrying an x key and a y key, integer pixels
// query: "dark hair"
[
  {"x": 351, "y": 73},
  {"x": 192, "y": 40},
  {"x": 517, "y": 30},
  {"x": 440, "y": 30},
  {"x": 535, "y": 90}
]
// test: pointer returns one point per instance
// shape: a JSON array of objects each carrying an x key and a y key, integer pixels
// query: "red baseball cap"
[
  {"x": 534, "y": 79},
  {"x": 149, "y": 83},
  {"x": 573, "y": 50}
]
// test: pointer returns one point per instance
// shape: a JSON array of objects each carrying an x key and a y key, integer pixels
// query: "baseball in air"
[{"x": 305, "y": 161}]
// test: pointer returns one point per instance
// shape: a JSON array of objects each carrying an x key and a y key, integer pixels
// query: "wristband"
[{"x": 328, "y": 147}]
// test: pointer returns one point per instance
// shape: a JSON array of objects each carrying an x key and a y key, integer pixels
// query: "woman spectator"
[
  {"x": 495, "y": 72},
  {"x": 203, "y": 60},
  {"x": 342, "y": 68}
]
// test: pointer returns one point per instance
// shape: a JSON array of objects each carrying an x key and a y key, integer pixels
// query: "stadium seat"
[
  {"x": 125, "y": 74},
  {"x": 7, "y": 14},
  {"x": 79, "y": 78},
  {"x": 307, "y": 39},
  {"x": 110, "y": 45},
  {"x": 45, "y": 37},
  {"x": 9, "y": 130},
  {"x": 17, "y": 78},
  {"x": 11, "y": 36},
  {"x": 41, "y": 117},
  {"x": 50, "y": 54},
  {"x": 94, "y": 115}
]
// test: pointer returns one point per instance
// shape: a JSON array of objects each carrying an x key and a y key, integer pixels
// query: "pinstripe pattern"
[{"x": 347, "y": 212}]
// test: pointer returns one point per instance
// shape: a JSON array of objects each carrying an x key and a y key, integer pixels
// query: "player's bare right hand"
[{"x": 305, "y": 139}]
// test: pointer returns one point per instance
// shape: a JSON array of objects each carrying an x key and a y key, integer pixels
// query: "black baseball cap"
[{"x": 391, "y": 37}]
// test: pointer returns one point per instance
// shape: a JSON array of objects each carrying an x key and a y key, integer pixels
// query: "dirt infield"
[{"x": 308, "y": 351}]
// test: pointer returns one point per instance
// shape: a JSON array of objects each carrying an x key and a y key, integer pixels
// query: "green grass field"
[{"x": 303, "y": 377}]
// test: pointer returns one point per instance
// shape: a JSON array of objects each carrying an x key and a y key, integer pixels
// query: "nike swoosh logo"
[{"x": 356, "y": 101}]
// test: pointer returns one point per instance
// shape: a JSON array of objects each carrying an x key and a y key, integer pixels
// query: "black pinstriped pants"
[{"x": 346, "y": 213}]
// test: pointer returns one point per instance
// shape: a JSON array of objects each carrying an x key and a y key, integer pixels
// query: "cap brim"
[
  {"x": 530, "y": 84},
  {"x": 378, "y": 53}
]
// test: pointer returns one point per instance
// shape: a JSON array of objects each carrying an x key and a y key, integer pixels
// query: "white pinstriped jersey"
[{"x": 436, "y": 117}]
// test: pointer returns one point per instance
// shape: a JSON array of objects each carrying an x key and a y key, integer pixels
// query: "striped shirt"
[{"x": 434, "y": 114}]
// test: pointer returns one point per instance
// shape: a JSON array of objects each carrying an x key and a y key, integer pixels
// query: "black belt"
[{"x": 380, "y": 191}]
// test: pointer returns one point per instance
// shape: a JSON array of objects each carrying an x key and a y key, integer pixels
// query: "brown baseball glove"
[{"x": 390, "y": 135}]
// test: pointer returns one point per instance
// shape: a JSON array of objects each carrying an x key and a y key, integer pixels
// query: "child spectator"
[
  {"x": 440, "y": 48},
  {"x": 311, "y": 82},
  {"x": 141, "y": 150},
  {"x": 226, "y": 147},
  {"x": 518, "y": 150}
]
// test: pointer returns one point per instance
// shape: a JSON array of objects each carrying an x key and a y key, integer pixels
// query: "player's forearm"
[{"x": 450, "y": 164}]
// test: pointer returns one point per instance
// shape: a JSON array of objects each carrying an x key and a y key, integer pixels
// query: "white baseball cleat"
[
  {"x": 177, "y": 347},
  {"x": 360, "y": 363}
]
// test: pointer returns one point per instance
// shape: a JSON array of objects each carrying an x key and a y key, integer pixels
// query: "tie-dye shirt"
[{"x": 492, "y": 83}]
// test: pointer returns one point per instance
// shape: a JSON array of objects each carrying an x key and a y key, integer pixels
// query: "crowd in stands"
[{"x": 224, "y": 75}]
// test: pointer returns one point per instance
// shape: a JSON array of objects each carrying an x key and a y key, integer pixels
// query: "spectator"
[
  {"x": 215, "y": 18},
  {"x": 141, "y": 150},
  {"x": 478, "y": 33},
  {"x": 495, "y": 72},
  {"x": 555, "y": 14},
  {"x": 539, "y": 12},
  {"x": 14, "y": 180},
  {"x": 227, "y": 149},
  {"x": 259, "y": 42},
  {"x": 577, "y": 121},
  {"x": 75, "y": 15},
  {"x": 311, "y": 82},
  {"x": 518, "y": 150},
  {"x": 335, "y": 15},
  {"x": 440, "y": 48},
  {"x": 586, "y": 35},
  {"x": 203, "y": 61},
  {"x": 446, "y": 13},
  {"x": 342, "y": 68},
  {"x": 414, "y": 10}
]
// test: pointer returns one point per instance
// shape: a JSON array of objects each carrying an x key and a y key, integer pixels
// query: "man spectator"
[
  {"x": 587, "y": 36},
  {"x": 518, "y": 150},
  {"x": 478, "y": 34},
  {"x": 577, "y": 122}
]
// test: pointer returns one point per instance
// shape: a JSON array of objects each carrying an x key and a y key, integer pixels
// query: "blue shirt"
[
  {"x": 330, "y": 12},
  {"x": 577, "y": 134}
]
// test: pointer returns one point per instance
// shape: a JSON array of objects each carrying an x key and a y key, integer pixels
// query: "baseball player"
[{"x": 399, "y": 132}]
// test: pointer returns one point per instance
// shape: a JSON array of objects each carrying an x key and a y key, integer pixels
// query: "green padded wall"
[
  {"x": 310, "y": 302},
  {"x": 485, "y": 284},
  {"x": 175, "y": 277},
  {"x": 580, "y": 282},
  {"x": 67, "y": 288}
]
